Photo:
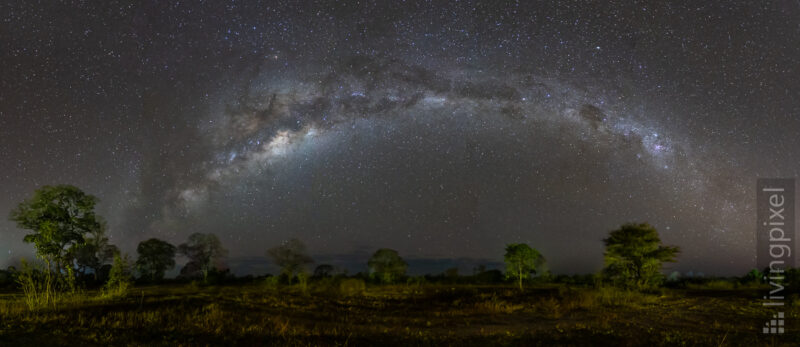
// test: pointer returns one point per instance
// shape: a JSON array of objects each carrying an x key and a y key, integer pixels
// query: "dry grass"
[{"x": 325, "y": 314}]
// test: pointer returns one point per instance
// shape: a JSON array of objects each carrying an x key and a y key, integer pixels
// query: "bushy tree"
[
  {"x": 522, "y": 260},
  {"x": 634, "y": 255},
  {"x": 205, "y": 253},
  {"x": 386, "y": 265},
  {"x": 155, "y": 257},
  {"x": 291, "y": 256},
  {"x": 60, "y": 217}
]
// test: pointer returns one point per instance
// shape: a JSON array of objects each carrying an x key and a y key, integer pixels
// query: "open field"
[{"x": 397, "y": 315}]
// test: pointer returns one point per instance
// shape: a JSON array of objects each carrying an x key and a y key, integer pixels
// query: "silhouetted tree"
[
  {"x": 155, "y": 257},
  {"x": 291, "y": 257},
  {"x": 205, "y": 253},
  {"x": 323, "y": 271},
  {"x": 634, "y": 255},
  {"x": 387, "y": 265},
  {"x": 59, "y": 217},
  {"x": 522, "y": 260}
]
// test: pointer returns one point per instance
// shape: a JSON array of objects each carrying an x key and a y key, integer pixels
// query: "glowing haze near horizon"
[{"x": 439, "y": 131}]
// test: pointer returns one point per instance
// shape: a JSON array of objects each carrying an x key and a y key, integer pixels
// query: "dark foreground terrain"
[{"x": 398, "y": 315}]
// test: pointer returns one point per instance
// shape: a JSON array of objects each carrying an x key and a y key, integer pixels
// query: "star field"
[{"x": 440, "y": 130}]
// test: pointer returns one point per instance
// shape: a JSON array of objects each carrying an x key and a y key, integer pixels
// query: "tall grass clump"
[
  {"x": 42, "y": 287},
  {"x": 302, "y": 281},
  {"x": 38, "y": 285}
]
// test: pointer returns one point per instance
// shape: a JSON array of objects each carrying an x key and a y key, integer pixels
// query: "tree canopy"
[
  {"x": 155, "y": 257},
  {"x": 60, "y": 218},
  {"x": 634, "y": 255},
  {"x": 522, "y": 260}
]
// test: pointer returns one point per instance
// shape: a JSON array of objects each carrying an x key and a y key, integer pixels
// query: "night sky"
[{"x": 443, "y": 130}]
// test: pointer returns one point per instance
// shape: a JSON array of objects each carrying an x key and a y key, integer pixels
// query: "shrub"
[
  {"x": 352, "y": 286},
  {"x": 325, "y": 286},
  {"x": 271, "y": 282},
  {"x": 42, "y": 287},
  {"x": 119, "y": 278}
]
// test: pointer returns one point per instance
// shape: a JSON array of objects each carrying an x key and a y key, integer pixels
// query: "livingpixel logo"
[
  {"x": 775, "y": 240},
  {"x": 775, "y": 325}
]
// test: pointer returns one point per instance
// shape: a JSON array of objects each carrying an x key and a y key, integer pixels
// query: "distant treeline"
[
  {"x": 451, "y": 276},
  {"x": 73, "y": 251}
]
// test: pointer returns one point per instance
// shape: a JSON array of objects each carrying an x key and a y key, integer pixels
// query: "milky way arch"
[{"x": 589, "y": 143}]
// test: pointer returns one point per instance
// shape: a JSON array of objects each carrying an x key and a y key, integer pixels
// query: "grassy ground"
[{"x": 398, "y": 315}]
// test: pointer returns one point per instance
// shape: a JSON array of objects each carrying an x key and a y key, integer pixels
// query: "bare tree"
[{"x": 205, "y": 253}]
